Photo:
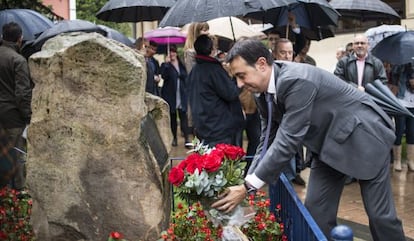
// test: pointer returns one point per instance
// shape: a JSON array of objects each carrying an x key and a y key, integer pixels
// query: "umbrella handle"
[
  {"x": 232, "y": 29},
  {"x": 287, "y": 30}
]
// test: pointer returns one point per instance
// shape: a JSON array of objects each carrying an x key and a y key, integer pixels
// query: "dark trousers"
[
  {"x": 14, "y": 150},
  {"x": 183, "y": 122},
  {"x": 404, "y": 125}
]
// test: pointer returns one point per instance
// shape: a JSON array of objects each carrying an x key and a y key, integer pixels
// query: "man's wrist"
[{"x": 250, "y": 189}]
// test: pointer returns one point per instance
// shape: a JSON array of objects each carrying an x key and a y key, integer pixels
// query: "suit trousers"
[{"x": 323, "y": 195}]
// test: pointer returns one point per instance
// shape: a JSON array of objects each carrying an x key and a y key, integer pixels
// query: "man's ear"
[
  {"x": 20, "y": 41},
  {"x": 261, "y": 63}
]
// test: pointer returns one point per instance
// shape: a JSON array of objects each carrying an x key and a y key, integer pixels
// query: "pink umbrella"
[{"x": 166, "y": 35}]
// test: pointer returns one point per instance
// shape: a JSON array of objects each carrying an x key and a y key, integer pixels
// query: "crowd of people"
[{"x": 219, "y": 97}]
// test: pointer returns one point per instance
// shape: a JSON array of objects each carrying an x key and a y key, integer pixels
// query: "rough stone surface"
[{"x": 90, "y": 171}]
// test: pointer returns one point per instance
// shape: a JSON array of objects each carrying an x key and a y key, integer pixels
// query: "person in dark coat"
[
  {"x": 15, "y": 101},
  {"x": 153, "y": 68},
  {"x": 360, "y": 67},
  {"x": 214, "y": 98},
  {"x": 174, "y": 92}
]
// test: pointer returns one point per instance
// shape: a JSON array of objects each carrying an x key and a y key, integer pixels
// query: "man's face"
[
  {"x": 272, "y": 39},
  {"x": 254, "y": 79},
  {"x": 150, "y": 50},
  {"x": 284, "y": 51},
  {"x": 360, "y": 46}
]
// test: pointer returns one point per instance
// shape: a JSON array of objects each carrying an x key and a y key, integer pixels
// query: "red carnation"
[
  {"x": 212, "y": 161},
  {"x": 194, "y": 161},
  {"x": 231, "y": 152},
  {"x": 116, "y": 235},
  {"x": 183, "y": 164},
  {"x": 176, "y": 176}
]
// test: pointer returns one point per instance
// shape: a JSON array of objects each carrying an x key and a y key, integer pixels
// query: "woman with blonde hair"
[{"x": 194, "y": 31}]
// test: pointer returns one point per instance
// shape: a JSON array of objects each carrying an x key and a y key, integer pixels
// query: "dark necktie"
[{"x": 269, "y": 101}]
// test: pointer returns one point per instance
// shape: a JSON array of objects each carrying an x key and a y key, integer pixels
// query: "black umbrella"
[
  {"x": 309, "y": 13},
  {"x": 316, "y": 16},
  {"x": 31, "y": 22},
  {"x": 378, "y": 33},
  {"x": 188, "y": 11},
  {"x": 383, "y": 96},
  {"x": 365, "y": 9},
  {"x": 121, "y": 11},
  {"x": 116, "y": 35},
  {"x": 396, "y": 49},
  {"x": 317, "y": 33},
  {"x": 66, "y": 26}
]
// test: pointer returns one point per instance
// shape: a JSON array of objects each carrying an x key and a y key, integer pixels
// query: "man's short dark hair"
[
  {"x": 250, "y": 50},
  {"x": 273, "y": 31},
  {"x": 12, "y": 32},
  {"x": 203, "y": 45}
]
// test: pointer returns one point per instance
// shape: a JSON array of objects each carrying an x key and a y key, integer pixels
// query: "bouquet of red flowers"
[{"x": 207, "y": 172}]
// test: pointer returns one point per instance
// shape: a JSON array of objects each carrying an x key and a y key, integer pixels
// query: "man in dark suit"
[{"x": 347, "y": 133}]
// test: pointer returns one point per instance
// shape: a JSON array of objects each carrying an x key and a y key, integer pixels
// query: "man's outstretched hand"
[{"x": 229, "y": 199}]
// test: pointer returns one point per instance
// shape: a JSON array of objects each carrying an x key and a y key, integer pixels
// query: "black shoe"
[
  {"x": 298, "y": 180},
  {"x": 174, "y": 142}
]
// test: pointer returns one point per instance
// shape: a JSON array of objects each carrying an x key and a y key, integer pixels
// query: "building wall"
[
  {"x": 59, "y": 7},
  {"x": 409, "y": 9}
]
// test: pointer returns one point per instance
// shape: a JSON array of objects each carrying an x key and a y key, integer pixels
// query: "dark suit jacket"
[{"x": 334, "y": 120}]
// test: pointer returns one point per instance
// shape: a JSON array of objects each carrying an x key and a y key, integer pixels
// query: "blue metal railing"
[{"x": 299, "y": 224}]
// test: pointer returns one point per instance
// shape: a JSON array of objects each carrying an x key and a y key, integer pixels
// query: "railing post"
[{"x": 342, "y": 233}]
